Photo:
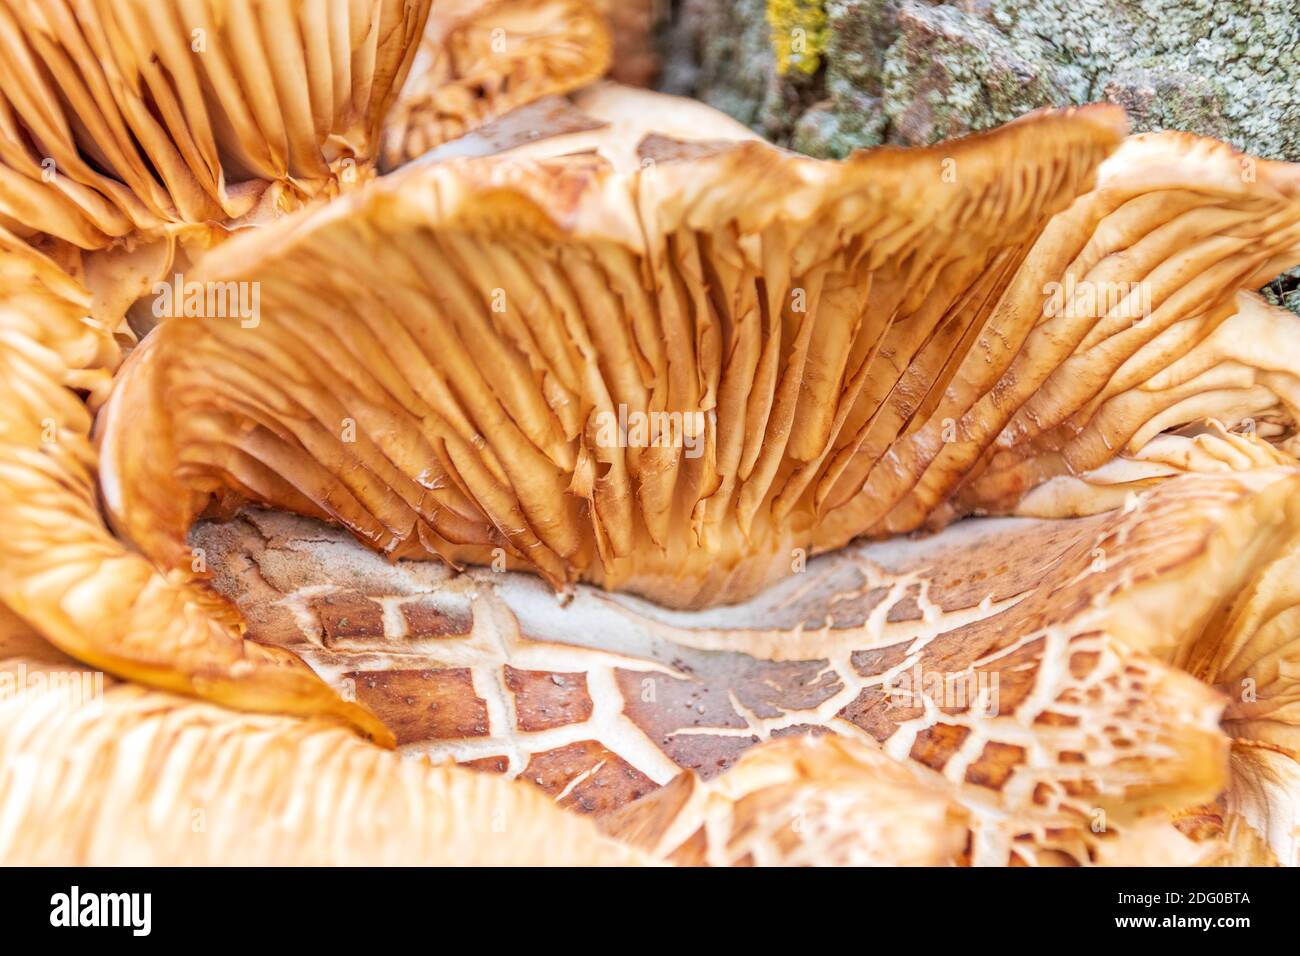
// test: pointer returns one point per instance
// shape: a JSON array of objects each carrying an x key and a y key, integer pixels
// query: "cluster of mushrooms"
[{"x": 972, "y": 537}]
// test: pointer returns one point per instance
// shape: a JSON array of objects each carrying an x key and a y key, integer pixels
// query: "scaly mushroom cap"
[
  {"x": 800, "y": 802},
  {"x": 480, "y": 59},
  {"x": 99, "y": 772},
  {"x": 121, "y": 118},
  {"x": 639, "y": 379},
  {"x": 1243, "y": 592},
  {"x": 1022, "y": 686},
  {"x": 60, "y": 569}
]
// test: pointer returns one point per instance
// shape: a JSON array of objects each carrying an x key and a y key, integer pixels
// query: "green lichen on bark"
[
  {"x": 949, "y": 72},
  {"x": 723, "y": 54},
  {"x": 798, "y": 34},
  {"x": 910, "y": 71},
  {"x": 917, "y": 71}
]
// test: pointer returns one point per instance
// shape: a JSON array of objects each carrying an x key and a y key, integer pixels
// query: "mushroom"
[
  {"x": 825, "y": 801},
  {"x": 134, "y": 134},
  {"x": 638, "y": 379},
  {"x": 1026, "y": 689},
  {"x": 127, "y": 128},
  {"x": 61, "y": 570},
  {"x": 949, "y": 389},
  {"x": 100, "y": 772},
  {"x": 480, "y": 59},
  {"x": 130, "y": 118}
]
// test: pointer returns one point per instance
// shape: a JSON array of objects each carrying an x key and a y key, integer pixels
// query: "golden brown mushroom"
[
  {"x": 1012, "y": 682},
  {"x": 60, "y": 569},
  {"x": 136, "y": 117},
  {"x": 803, "y": 801},
  {"x": 135, "y": 134},
  {"x": 99, "y": 772},
  {"x": 480, "y": 59},
  {"x": 633, "y": 378}
]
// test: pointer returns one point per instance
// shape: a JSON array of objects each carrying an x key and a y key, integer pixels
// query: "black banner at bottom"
[{"x": 340, "y": 907}]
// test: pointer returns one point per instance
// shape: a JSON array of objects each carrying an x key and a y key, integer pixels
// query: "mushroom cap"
[
  {"x": 1028, "y": 689},
  {"x": 803, "y": 801},
  {"x": 480, "y": 59},
  {"x": 507, "y": 311},
  {"x": 100, "y": 772},
  {"x": 1243, "y": 642}
]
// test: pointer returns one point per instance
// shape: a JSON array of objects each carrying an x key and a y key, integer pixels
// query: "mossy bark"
[{"x": 916, "y": 71}]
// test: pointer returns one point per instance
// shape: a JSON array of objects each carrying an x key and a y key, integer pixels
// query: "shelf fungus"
[
  {"x": 642, "y": 379},
  {"x": 480, "y": 59},
  {"x": 1073, "y": 687},
  {"x": 101, "y": 772}
]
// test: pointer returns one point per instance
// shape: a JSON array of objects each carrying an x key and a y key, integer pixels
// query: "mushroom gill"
[
  {"x": 1120, "y": 325},
  {"x": 643, "y": 379},
  {"x": 480, "y": 59},
  {"x": 136, "y": 134},
  {"x": 61, "y": 570},
  {"x": 137, "y": 117}
]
